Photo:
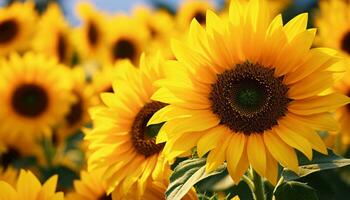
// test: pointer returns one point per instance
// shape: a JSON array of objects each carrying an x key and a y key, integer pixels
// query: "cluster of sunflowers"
[{"x": 203, "y": 103}]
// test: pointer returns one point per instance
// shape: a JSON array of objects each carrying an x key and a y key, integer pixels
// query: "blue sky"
[{"x": 112, "y": 5}]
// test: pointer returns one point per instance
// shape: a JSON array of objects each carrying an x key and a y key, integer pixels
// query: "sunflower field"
[{"x": 175, "y": 100}]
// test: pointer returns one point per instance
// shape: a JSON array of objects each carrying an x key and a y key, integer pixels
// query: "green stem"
[{"x": 259, "y": 191}]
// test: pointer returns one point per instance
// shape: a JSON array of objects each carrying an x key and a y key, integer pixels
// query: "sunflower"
[
  {"x": 89, "y": 187},
  {"x": 28, "y": 187},
  {"x": 154, "y": 190},
  {"x": 120, "y": 140},
  {"x": 123, "y": 42},
  {"x": 17, "y": 25},
  {"x": 248, "y": 91},
  {"x": 16, "y": 149},
  {"x": 77, "y": 115},
  {"x": 160, "y": 25},
  {"x": 90, "y": 38},
  {"x": 192, "y": 9},
  {"x": 35, "y": 95},
  {"x": 334, "y": 29},
  {"x": 53, "y": 35}
]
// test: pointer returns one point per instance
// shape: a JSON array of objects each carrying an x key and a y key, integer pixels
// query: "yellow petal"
[
  {"x": 293, "y": 139},
  {"x": 216, "y": 157},
  {"x": 311, "y": 85},
  {"x": 234, "y": 154},
  {"x": 271, "y": 169},
  {"x": 210, "y": 139},
  {"x": 256, "y": 153},
  {"x": 318, "y": 104},
  {"x": 282, "y": 152},
  {"x": 296, "y": 25},
  {"x": 324, "y": 121}
]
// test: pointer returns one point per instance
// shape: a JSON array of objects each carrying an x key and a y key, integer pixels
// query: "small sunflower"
[
  {"x": 120, "y": 140},
  {"x": 77, "y": 116},
  {"x": 35, "y": 95},
  {"x": 17, "y": 25},
  {"x": 192, "y": 9},
  {"x": 16, "y": 149},
  {"x": 123, "y": 42},
  {"x": 154, "y": 190},
  {"x": 89, "y": 187},
  {"x": 334, "y": 29},
  {"x": 53, "y": 35},
  {"x": 248, "y": 91},
  {"x": 90, "y": 38},
  {"x": 28, "y": 187},
  {"x": 160, "y": 25}
]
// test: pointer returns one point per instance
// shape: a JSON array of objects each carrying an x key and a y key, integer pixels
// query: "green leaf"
[
  {"x": 318, "y": 163},
  {"x": 66, "y": 176},
  {"x": 293, "y": 190},
  {"x": 153, "y": 130},
  {"x": 186, "y": 175}
]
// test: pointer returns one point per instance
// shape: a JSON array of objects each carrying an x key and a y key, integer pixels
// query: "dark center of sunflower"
[
  {"x": 30, "y": 100},
  {"x": 105, "y": 197},
  {"x": 9, "y": 157},
  {"x": 143, "y": 136},
  {"x": 200, "y": 17},
  {"x": 345, "y": 43},
  {"x": 249, "y": 98},
  {"x": 8, "y": 30},
  {"x": 93, "y": 35},
  {"x": 348, "y": 105},
  {"x": 76, "y": 111},
  {"x": 61, "y": 47},
  {"x": 123, "y": 49}
]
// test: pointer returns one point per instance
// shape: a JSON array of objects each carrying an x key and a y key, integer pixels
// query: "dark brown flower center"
[
  {"x": 30, "y": 100},
  {"x": 105, "y": 197},
  {"x": 9, "y": 157},
  {"x": 93, "y": 34},
  {"x": 124, "y": 49},
  {"x": 200, "y": 17},
  {"x": 143, "y": 136},
  {"x": 8, "y": 30},
  {"x": 345, "y": 43},
  {"x": 76, "y": 111},
  {"x": 61, "y": 47},
  {"x": 249, "y": 98}
]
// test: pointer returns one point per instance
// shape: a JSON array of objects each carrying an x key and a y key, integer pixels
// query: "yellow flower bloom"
[
  {"x": 334, "y": 28},
  {"x": 123, "y": 41},
  {"x": 192, "y": 9},
  {"x": 120, "y": 140},
  {"x": 28, "y": 187},
  {"x": 160, "y": 25},
  {"x": 17, "y": 25},
  {"x": 248, "y": 91},
  {"x": 77, "y": 115},
  {"x": 89, "y": 187},
  {"x": 35, "y": 95},
  {"x": 90, "y": 38},
  {"x": 53, "y": 35}
]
